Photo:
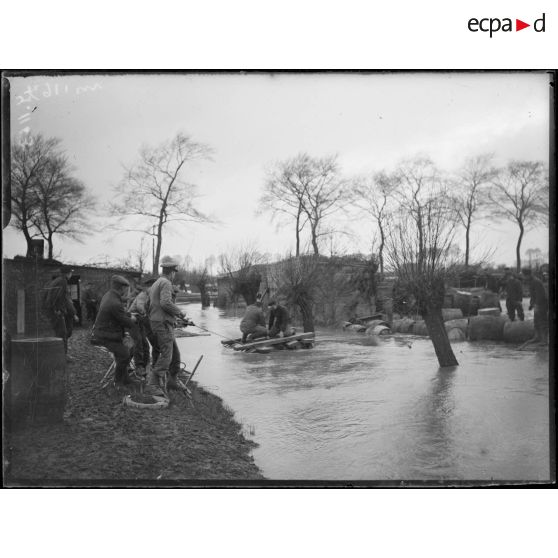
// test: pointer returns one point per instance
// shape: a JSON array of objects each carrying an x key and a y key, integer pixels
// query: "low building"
[{"x": 23, "y": 281}]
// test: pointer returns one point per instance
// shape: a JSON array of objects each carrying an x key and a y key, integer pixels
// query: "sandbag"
[
  {"x": 456, "y": 334},
  {"x": 419, "y": 328},
  {"x": 451, "y": 314},
  {"x": 459, "y": 324},
  {"x": 489, "y": 312},
  {"x": 404, "y": 325},
  {"x": 518, "y": 331},
  {"x": 486, "y": 328}
]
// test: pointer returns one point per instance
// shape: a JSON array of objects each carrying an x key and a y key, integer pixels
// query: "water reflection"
[{"x": 345, "y": 410}]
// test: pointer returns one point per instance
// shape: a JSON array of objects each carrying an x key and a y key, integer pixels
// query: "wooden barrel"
[
  {"x": 489, "y": 312},
  {"x": 459, "y": 324},
  {"x": 486, "y": 328},
  {"x": 456, "y": 334},
  {"x": 419, "y": 328},
  {"x": 519, "y": 332},
  {"x": 37, "y": 380},
  {"x": 451, "y": 314},
  {"x": 404, "y": 325}
]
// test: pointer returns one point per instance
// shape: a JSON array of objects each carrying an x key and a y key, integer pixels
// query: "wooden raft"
[{"x": 267, "y": 345}]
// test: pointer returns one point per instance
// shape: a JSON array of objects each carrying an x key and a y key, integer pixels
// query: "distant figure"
[
  {"x": 278, "y": 320},
  {"x": 90, "y": 301},
  {"x": 514, "y": 296},
  {"x": 539, "y": 302},
  {"x": 59, "y": 307},
  {"x": 252, "y": 324},
  {"x": 110, "y": 324}
]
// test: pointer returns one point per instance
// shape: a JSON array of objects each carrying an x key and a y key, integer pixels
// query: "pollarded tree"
[
  {"x": 471, "y": 193},
  {"x": 418, "y": 245},
  {"x": 521, "y": 194},
  {"x": 154, "y": 192},
  {"x": 242, "y": 266}
]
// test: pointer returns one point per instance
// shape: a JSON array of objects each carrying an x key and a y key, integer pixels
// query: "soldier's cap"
[
  {"x": 169, "y": 262},
  {"x": 118, "y": 280},
  {"x": 66, "y": 269}
]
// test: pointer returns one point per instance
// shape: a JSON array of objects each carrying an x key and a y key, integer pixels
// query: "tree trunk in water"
[
  {"x": 307, "y": 316},
  {"x": 439, "y": 336},
  {"x": 518, "y": 248}
]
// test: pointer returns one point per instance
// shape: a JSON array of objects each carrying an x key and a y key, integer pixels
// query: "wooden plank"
[{"x": 274, "y": 341}]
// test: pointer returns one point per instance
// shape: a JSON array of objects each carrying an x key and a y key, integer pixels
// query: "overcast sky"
[{"x": 371, "y": 121}]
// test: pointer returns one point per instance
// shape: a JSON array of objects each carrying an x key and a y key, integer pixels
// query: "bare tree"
[
  {"x": 521, "y": 195},
  {"x": 375, "y": 196},
  {"x": 154, "y": 190},
  {"x": 471, "y": 193},
  {"x": 29, "y": 159},
  {"x": 308, "y": 190},
  {"x": 284, "y": 193},
  {"x": 46, "y": 199},
  {"x": 63, "y": 202},
  {"x": 418, "y": 242},
  {"x": 324, "y": 195}
]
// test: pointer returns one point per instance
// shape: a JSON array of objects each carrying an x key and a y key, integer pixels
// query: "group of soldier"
[
  {"x": 513, "y": 287},
  {"x": 142, "y": 328}
]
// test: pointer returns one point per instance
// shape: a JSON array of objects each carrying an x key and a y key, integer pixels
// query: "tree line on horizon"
[{"x": 303, "y": 194}]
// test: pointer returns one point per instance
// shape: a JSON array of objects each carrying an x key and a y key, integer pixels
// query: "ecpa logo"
[{"x": 492, "y": 25}]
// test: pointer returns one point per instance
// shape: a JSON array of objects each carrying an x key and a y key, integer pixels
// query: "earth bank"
[{"x": 101, "y": 441}]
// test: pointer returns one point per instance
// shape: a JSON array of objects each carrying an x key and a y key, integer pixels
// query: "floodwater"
[{"x": 350, "y": 411}]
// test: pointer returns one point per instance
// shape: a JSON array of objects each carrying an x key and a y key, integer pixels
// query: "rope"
[{"x": 209, "y": 331}]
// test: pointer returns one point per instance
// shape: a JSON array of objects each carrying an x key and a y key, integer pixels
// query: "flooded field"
[{"x": 349, "y": 411}]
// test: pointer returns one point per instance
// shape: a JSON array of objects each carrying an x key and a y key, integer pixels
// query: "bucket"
[
  {"x": 37, "y": 380},
  {"x": 518, "y": 331},
  {"x": 486, "y": 328}
]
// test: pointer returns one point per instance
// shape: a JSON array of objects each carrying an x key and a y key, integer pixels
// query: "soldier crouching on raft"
[{"x": 163, "y": 314}]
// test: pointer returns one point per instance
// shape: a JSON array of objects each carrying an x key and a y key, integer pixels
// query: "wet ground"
[{"x": 346, "y": 410}]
